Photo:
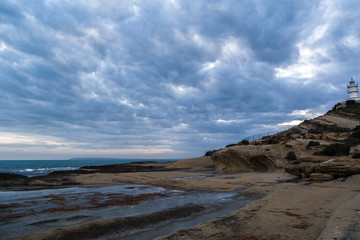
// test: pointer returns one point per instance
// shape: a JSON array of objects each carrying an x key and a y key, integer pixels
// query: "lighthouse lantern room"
[{"x": 353, "y": 89}]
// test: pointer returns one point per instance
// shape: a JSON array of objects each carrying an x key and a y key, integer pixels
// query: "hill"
[{"x": 322, "y": 148}]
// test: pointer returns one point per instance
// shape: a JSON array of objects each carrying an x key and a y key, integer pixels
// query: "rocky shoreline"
[
  {"x": 277, "y": 204},
  {"x": 304, "y": 182}
]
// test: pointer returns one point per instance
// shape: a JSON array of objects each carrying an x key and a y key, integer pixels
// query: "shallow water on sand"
[{"x": 26, "y": 212}]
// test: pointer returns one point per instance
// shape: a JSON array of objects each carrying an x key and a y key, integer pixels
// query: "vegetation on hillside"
[{"x": 350, "y": 109}]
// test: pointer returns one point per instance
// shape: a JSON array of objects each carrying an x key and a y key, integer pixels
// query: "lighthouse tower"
[{"x": 353, "y": 90}]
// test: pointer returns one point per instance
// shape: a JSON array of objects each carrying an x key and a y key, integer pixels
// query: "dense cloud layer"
[{"x": 163, "y": 78}]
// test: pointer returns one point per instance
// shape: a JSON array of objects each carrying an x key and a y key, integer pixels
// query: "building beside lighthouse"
[{"x": 352, "y": 90}]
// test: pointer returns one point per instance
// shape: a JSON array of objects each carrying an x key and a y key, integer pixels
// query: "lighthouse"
[{"x": 353, "y": 90}]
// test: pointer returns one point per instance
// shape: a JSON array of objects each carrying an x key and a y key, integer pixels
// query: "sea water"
[{"x": 33, "y": 168}]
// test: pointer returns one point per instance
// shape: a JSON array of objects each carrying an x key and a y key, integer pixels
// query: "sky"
[{"x": 166, "y": 78}]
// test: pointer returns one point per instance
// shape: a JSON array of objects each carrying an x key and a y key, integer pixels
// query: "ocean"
[{"x": 33, "y": 168}]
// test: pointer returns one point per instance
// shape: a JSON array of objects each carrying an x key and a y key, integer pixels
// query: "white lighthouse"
[{"x": 353, "y": 90}]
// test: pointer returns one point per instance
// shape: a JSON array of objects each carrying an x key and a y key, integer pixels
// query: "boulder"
[
  {"x": 321, "y": 177},
  {"x": 291, "y": 156},
  {"x": 312, "y": 144}
]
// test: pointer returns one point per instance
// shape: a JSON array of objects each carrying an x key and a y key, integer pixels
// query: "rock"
[
  {"x": 338, "y": 169},
  {"x": 236, "y": 161},
  {"x": 335, "y": 168},
  {"x": 307, "y": 170},
  {"x": 10, "y": 179},
  {"x": 303, "y": 171},
  {"x": 294, "y": 170},
  {"x": 312, "y": 144},
  {"x": 291, "y": 156},
  {"x": 336, "y": 149},
  {"x": 11, "y": 176},
  {"x": 120, "y": 168},
  {"x": 321, "y": 177}
]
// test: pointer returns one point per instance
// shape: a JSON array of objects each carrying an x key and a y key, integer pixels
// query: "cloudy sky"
[{"x": 166, "y": 78}]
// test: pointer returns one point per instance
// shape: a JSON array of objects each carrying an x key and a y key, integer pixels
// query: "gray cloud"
[{"x": 166, "y": 78}]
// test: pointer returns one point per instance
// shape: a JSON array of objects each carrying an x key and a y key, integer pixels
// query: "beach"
[{"x": 213, "y": 205}]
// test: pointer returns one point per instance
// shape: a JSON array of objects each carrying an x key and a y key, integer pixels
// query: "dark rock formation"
[
  {"x": 291, "y": 156},
  {"x": 336, "y": 149},
  {"x": 11, "y": 176},
  {"x": 125, "y": 167},
  {"x": 244, "y": 142},
  {"x": 312, "y": 144},
  {"x": 10, "y": 179}
]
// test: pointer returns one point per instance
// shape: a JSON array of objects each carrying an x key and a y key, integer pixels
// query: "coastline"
[{"x": 280, "y": 208}]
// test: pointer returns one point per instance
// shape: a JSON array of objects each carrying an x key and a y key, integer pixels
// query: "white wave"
[{"x": 42, "y": 170}]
